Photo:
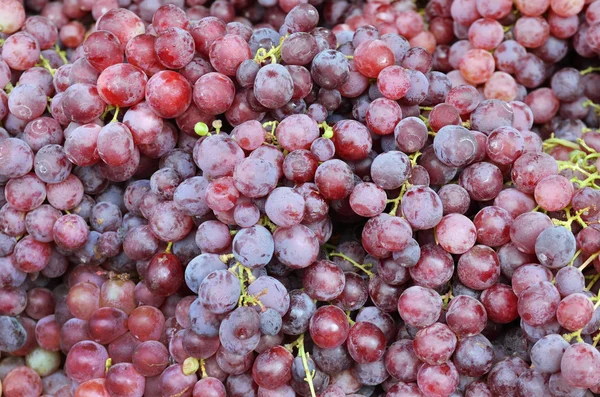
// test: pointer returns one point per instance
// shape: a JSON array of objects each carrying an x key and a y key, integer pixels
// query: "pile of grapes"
[{"x": 316, "y": 198}]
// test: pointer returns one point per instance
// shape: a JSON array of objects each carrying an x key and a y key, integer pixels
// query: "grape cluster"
[{"x": 281, "y": 198}]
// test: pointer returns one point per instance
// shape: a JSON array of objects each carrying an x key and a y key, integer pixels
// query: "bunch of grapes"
[{"x": 281, "y": 198}]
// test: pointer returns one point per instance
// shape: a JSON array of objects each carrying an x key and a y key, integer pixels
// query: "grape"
[
  {"x": 504, "y": 145},
  {"x": 330, "y": 69},
  {"x": 213, "y": 93},
  {"x": 323, "y": 281},
  {"x": 219, "y": 291},
  {"x": 140, "y": 243},
  {"x": 124, "y": 95},
  {"x": 477, "y": 66},
  {"x": 22, "y": 381},
  {"x": 173, "y": 381},
  {"x": 82, "y": 104},
  {"x": 390, "y": 170},
  {"x": 478, "y": 268},
  {"x": 102, "y": 49},
  {"x": 334, "y": 179},
  {"x": 145, "y": 323},
  {"x": 168, "y": 94},
  {"x": 526, "y": 228},
  {"x": 578, "y": 365},
  {"x": 422, "y": 207},
  {"x": 352, "y": 140},
  {"x": 227, "y": 53},
  {"x": 122, "y": 23},
  {"x": 329, "y": 327},
  {"x": 410, "y": 134},
  {"x": 366, "y": 342},
  {"x": 482, "y": 180},
  {"x": 438, "y": 380},
  {"x": 370, "y": 374},
  {"x": 164, "y": 274},
  {"x": 16, "y": 158},
  {"x": 500, "y": 303},
  {"x": 456, "y": 233},
  {"x": 493, "y": 226},
  {"x": 174, "y": 47},
  {"x": 555, "y": 247},
  {"x": 547, "y": 353},
  {"x": 393, "y": 82},
  {"x": 85, "y": 361},
  {"x": 239, "y": 332},
  {"x": 538, "y": 303},
  {"x": 419, "y": 306},
  {"x": 382, "y": 116},
  {"x": 435, "y": 344},
  {"x": 272, "y": 368},
  {"x": 473, "y": 356},
  {"x": 504, "y": 376},
  {"x": 368, "y": 199},
  {"x": 123, "y": 379}
]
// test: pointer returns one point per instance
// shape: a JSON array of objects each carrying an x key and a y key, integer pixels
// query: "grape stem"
[
  {"x": 570, "y": 219},
  {"x": 576, "y": 335},
  {"x": 589, "y": 103},
  {"x": 405, "y": 186},
  {"x": 266, "y": 222},
  {"x": 574, "y": 257},
  {"x": 299, "y": 343},
  {"x": 46, "y": 65},
  {"x": 398, "y": 199},
  {"x": 107, "y": 364},
  {"x": 217, "y": 125},
  {"x": 169, "y": 247},
  {"x": 590, "y": 70},
  {"x": 8, "y": 88},
  {"x": 592, "y": 282},
  {"x": 447, "y": 297},
  {"x": 274, "y": 53},
  {"x": 350, "y": 321},
  {"x": 364, "y": 268},
  {"x": 115, "y": 119},
  {"x": 203, "y": 368},
  {"x": 553, "y": 142},
  {"x": 587, "y": 182},
  {"x": 271, "y": 137},
  {"x": 245, "y": 275},
  {"x": 226, "y": 258},
  {"x": 109, "y": 109},
  {"x": 589, "y": 260},
  {"x": 62, "y": 54},
  {"x": 585, "y": 145},
  {"x": 327, "y": 130}
]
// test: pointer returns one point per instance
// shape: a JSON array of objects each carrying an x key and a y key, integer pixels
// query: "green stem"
[
  {"x": 299, "y": 343},
  {"x": 588, "y": 261},
  {"x": 590, "y": 70},
  {"x": 114, "y": 119},
  {"x": 354, "y": 263}
]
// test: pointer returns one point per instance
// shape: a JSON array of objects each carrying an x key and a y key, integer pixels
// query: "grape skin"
[{"x": 299, "y": 198}]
